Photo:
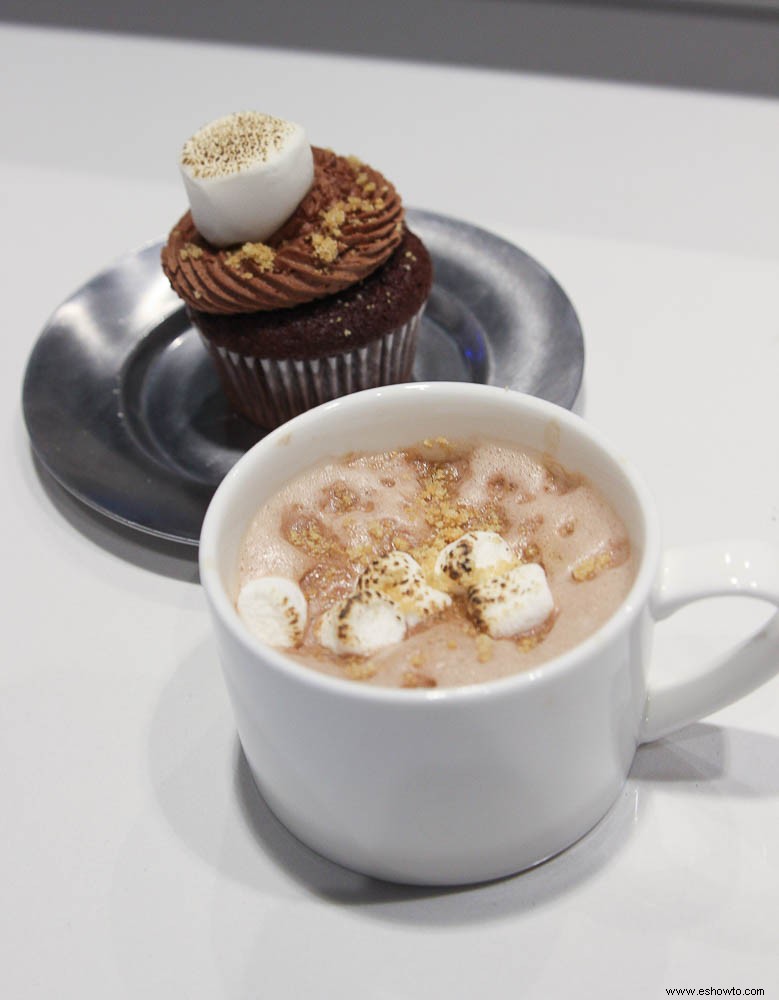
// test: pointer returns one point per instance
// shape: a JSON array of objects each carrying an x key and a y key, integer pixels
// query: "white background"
[{"x": 135, "y": 858}]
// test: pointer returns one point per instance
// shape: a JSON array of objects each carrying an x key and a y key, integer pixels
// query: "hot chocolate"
[{"x": 439, "y": 564}]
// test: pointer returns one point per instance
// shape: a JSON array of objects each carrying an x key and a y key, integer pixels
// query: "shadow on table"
[
  {"x": 720, "y": 761},
  {"x": 702, "y": 756},
  {"x": 207, "y": 794},
  {"x": 443, "y": 905}
]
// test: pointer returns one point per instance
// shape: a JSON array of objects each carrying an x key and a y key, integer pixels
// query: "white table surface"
[{"x": 135, "y": 858}]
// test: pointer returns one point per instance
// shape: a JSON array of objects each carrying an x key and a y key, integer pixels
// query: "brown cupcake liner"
[{"x": 269, "y": 391}]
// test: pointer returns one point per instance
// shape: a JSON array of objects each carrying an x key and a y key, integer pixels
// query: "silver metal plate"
[{"x": 124, "y": 410}]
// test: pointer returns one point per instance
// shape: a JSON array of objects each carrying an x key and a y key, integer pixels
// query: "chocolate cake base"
[{"x": 276, "y": 364}]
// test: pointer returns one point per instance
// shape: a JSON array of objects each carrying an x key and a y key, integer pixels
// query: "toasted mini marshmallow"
[
  {"x": 245, "y": 175},
  {"x": 361, "y": 624},
  {"x": 470, "y": 558},
  {"x": 511, "y": 603},
  {"x": 274, "y": 610},
  {"x": 399, "y": 577}
]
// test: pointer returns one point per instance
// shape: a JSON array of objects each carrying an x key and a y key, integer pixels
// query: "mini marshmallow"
[
  {"x": 274, "y": 610},
  {"x": 471, "y": 557},
  {"x": 511, "y": 603},
  {"x": 361, "y": 624},
  {"x": 399, "y": 577},
  {"x": 245, "y": 175}
]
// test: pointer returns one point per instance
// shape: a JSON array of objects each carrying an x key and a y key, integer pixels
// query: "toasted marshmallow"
[
  {"x": 245, "y": 175},
  {"x": 399, "y": 577},
  {"x": 511, "y": 603},
  {"x": 473, "y": 556},
  {"x": 274, "y": 610},
  {"x": 361, "y": 624}
]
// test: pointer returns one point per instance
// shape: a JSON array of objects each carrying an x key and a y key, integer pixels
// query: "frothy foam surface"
[{"x": 324, "y": 528}]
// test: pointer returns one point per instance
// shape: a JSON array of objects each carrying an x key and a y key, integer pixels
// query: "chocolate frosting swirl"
[{"x": 347, "y": 225}]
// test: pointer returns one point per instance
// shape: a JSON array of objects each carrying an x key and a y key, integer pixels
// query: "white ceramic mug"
[{"x": 459, "y": 785}]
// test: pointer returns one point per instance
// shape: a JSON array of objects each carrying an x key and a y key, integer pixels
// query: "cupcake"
[{"x": 296, "y": 268}]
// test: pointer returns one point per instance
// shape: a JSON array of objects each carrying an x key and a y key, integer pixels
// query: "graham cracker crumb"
[
  {"x": 356, "y": 204},
  {"x": 260, "y": 254},
  {"x": 530, "y": 553},
  {"x": 590, "y": 567},
  {"x": 438, "y": 442},
  {"x": 446, "y": 515},
  {"x": 325, "y": 247},
  {"x": 334, "y": 218},
  {"x": 340, "y": 498},
  {"x": 413, "y": 679},
  {"x": 527, "y": 642},
  {"x": 484, "y": 648},
  {"x": 307, "y": 534},
  {"x": 360, "y": 670},
  {"x": 359, "y": 553},
  {"x": 190, "y": 250}
]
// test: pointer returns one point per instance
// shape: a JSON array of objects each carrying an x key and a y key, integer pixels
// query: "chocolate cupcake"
[{"x": 296, "y": 268}]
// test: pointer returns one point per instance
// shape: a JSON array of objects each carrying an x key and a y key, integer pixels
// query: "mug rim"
[{"x": 224, "y": 608}]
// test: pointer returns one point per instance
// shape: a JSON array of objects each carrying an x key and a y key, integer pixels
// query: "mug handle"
[{"x": 692, "y": 573}]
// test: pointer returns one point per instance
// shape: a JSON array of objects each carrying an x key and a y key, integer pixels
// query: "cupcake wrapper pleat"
[{"x": 269, "y": 392}]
